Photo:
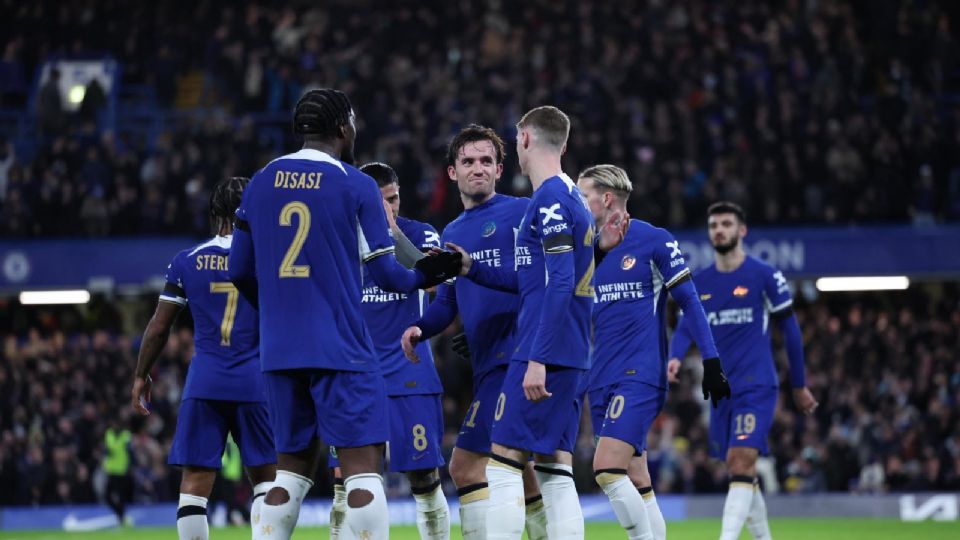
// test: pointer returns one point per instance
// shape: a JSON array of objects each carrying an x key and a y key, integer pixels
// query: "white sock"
[
  {"x": 627, "y": 503},
  {"x": 474, "y": 502},
  {"x": 256, "y": 507},
  {"x": 757, "y": 522},
  {"x": 338, "y": 510},
  {"x": 433, "y": 514},
  {"x": 657, "y": 524},
  {"x": 192, "y": 518},
  {"x": 505, "y": 513},
  {"x": 560, "y": 499},
  {"x": 736, "y": 507},
  {"x": 278, "y": 520},
  {"x": 536, "y": 519},
  {"x": 372, "y": 519}
]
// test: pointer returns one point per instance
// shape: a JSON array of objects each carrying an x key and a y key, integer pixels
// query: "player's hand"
[
  {"x": 438, "y": 267},
  {"x": 465, "y": 261},
  {"x": 392, "y": 221},
  {"x": 715, "y": 385},
  {"x": 535, "y": 382},
  {"x": 461, "y": 347},
  {"x": 140, "y": 395},
  {"x": 409, "y": 340},
  {"x": 613, "y": 231},
  {"x": 804, "y": 400},
  {"x": 673, "y": 371}
]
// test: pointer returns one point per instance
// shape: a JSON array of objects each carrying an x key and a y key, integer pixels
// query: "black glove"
[
  {"x": 461, "y": 347},
  {"x": 715, "y": 385},
  {"x": 439, "y": 268}
]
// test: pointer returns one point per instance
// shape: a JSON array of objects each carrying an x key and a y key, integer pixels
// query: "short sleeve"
[
  {"x": 173, "y": 290},
  {"x": 373, "y": 231},
  {"x": 776, "y": 291},
  {"x": 429, "y": 238},
  {"x": 669, "y": 259},
  {"x": 554, "y": 225}
]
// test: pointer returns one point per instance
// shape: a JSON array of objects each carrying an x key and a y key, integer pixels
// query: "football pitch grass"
[{"x": 782, "y": 529}]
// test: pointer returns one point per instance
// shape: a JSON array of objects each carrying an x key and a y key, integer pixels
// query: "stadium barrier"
[
  {"x": 316, "y": 512},
  {"x": 799, "y": 252}
]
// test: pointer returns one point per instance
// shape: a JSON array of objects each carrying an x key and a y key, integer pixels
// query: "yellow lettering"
[
  {"x": 226, "y": 264},
  {"x": 286, "y": 179},
  {"x": 278, "y": 179},
  {"x": 301, "y": 181},
  {"x": 310, "y": 178}
]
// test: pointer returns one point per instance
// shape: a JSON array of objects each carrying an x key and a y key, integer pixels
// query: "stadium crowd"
[
  {"x": 882, "y": 366},
  {"x": 835, "y": 111}
]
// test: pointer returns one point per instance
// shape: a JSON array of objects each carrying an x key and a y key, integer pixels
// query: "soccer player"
[
  {"x": 414, "y": 390},
  {"x": 538, "y": 409},
  {"x": 307, "y": 223},
  {"x": 486, "y": 229},
  {"x": 740, "y": 295},
  {"x": 627, "y": 383},
  {"x": 224, "y": 391}
]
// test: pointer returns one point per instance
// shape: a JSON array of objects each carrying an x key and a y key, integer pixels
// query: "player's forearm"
[
  {"x": 793, "y": 339},
  {"x": 685, "y": 294},
  {"x": 680, "y": 342},
  {"x": 390, "y": 276},
  {"x": 556, "y": 302},
  {"x": 439, "y": 314},
  {"x": 152, "y": 344},
  {"x": 500, "y": 279},
  {"x": 407, "y": 254}
]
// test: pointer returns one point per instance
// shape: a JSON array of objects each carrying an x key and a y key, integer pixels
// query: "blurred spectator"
[{"x": 50, "y": 115}]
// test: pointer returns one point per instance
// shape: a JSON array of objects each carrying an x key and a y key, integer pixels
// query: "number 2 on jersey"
[
  {"x": 287, "y": 268},
  {"x": 229, "y": 311}
]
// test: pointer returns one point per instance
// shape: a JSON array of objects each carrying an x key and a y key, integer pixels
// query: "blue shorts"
[
  {"x": 416, "y": 432},
  {"x": 743, "y": 420},
  {"x": 543, "y": 427},
  {"x": 202, "y": 427},
  {"x": 475, "y": 430},
  {"x": 343, "y": 408},
  {"x": 632, "y": 406}
]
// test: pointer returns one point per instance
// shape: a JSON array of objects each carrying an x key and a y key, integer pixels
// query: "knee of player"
[
  {"x": 608, "y": 476},
  {"x": 464, "y": 475},
  {"x": 358, "y": 498},
  {"x": 276, "y": 496},
  {"x": 423, "y": 478}
]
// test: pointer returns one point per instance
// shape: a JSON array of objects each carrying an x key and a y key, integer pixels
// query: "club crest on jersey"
[
  {"x": 740, "y": 291},
  {"x": 628, "y": 262},
  {"x": 488, "y": 229}
]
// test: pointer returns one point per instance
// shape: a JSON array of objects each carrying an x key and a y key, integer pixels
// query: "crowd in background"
[
  {"x": 832, "y": 111},
  {"x": 882, "y": 366}
]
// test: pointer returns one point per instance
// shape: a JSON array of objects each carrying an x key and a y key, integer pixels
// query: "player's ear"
[
  {"x": 499, "y": 172},
  {"x": 452, "y": 173},
  {"x": 742, "y": 230},
  {"x": 564, "y": 149}
]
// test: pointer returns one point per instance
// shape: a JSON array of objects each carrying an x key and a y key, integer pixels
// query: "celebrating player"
[
  {"x": 414, "y": 390},
  {"x": 486, "y": 229},
  {"x": 740, "y": 294},
  {"x": 627, "y": 383},
  {"x": 538, "y": 410},
  {"x": 224, "y": 389},
  {"x": 306, "y": 223}
]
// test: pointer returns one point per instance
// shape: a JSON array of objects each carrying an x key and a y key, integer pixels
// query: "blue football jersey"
[
  {"x": 488, "y": 232},
  {"x": 739, "y": 305},
  {"x": 629, "y": 314},
  {"x": 388, "y": 314},
  {"x": 313, "y": 220},
  {"x": 225, "y": 329},
  {"x": 555, "y": 242}
]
